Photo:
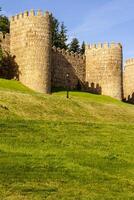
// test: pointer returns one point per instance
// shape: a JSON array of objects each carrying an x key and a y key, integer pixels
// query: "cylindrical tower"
[
  {"x": 30, "y": 37},
  {"x": 104, "y": 68},
  {"x": 129, "y": 79}
]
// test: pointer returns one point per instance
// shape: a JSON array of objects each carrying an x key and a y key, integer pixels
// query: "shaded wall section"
[{"x": 63, "y": 63}]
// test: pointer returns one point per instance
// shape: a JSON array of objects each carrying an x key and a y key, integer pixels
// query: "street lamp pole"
[{"x": 67, "y": 80}]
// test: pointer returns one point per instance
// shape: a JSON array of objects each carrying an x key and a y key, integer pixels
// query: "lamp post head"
[{"x": 67, "y": 75}]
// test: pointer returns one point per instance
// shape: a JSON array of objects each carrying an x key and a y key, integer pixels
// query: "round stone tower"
[
  {"x": 104, "y": 68},
  {"x": 30, "y": 42},
  {"x": 129, "y": 79}
]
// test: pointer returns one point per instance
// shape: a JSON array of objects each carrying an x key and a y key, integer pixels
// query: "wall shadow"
[
  {"x": 65, "y": 63},
  {"x": 129, "y": 99}
]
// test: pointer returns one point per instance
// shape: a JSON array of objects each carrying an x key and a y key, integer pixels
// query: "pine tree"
[
  {"x": 82, "y": 50},
  {"x": 4, "y": 24},
  {"x": 63, "y": 36},
  {"x": 55, "y": 31},
  {"x": 74, "y": 45},
  {"x": 59, "y": 34}
]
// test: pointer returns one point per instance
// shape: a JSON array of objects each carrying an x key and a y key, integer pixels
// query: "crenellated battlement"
[
  {"x": 31, "y": 44},
  {"x": 68, "y": 53},
  {"x": 65, "y": 62},
  {"x": 129, "y": 62},
  {"x": 27, "y": 14},
  {"x": 41, "y": 65},
  {"x": 104, "y": 45},
  {"x": 103, "y": 67}
]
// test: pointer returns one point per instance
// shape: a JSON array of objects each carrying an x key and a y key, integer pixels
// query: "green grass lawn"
[{"x": 64, "y": 149}]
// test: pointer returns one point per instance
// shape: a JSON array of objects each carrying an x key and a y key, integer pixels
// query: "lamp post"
[{"x": 67, "y": 84}]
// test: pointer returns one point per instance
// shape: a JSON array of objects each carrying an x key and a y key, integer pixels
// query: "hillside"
[{"x": 64, "y": 149}]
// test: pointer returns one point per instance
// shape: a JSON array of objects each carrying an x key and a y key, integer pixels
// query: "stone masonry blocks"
[
  {"x": 104, "y": 68},
  {"x": 31, "y": 44},
  {"x": 42, "y": 67},
  {"x": 129, "y": 79},
  {"x": 5, "y": 42},
  {"x": 64, "y": 62}
]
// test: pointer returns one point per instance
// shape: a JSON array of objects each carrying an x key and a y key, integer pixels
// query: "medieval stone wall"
[
  {"x": 41, "y": 67},
  {"x": 63, "y": 63},
  {"x": 31, "y": 44},
  {"x": 129, "y": 80},
  {"x": 104, "y": 68},
  {"x": 5, "y": 42}
]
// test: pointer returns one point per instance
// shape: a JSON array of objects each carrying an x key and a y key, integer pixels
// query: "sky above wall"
[{"x": 90, "y": 20}]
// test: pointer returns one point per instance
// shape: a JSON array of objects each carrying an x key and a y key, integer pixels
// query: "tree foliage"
[
  {"x": 4, "y": 24},
  {"x": 8, "y": 66},
  {"x": 55, "y": 31},
  {"x": 59, "y": 34},
  {"x": 82, "y": 50},
  {"x": 74, "y": 45},
  {"x": 63, "y": 36}
]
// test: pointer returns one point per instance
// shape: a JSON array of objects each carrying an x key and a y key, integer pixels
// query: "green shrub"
[{"x": 8, "y": 66}]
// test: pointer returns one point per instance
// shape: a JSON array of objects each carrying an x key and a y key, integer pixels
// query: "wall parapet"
[
  {"x": 104, "y": 45},
  {"x": 65, "y": 62},
  {"x": 68, "y": 53},
  {"x": 31, "y": 13},
  {"x": 129, "y": 61},
  {"x": 31, "y": 44}
]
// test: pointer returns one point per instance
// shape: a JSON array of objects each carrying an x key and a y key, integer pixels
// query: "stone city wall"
[
  {"x": 42, "y": 67},
  {"x": 104, "y": 68},
  {"x": 5, "y": 42},
  {"x": 63, "y": 63}
]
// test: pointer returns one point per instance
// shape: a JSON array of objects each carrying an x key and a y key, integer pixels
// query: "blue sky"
[{"x": 90, "y": 20}]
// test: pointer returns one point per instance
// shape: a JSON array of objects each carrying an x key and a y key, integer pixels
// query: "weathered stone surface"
[
  {"x": 5, "y": 42},
  {"x": 63, "y": 63},
  {"x": 31, "y": 44},
  {"x": 129, "y": 80},
  {"x": 42, "y": 67},
  {"x": 104, "y": 68}
]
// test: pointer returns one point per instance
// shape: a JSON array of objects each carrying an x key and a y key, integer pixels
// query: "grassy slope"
[{"x": 64, "y": 149}]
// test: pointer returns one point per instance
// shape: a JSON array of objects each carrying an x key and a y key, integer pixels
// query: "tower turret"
[
  {"x": 129, "y": 80},
  {"x": 104, "y": 68},
  {"x": 30, "y": 42}
]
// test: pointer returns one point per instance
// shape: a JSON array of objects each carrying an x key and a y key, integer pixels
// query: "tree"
[
  {"x": 74, "y": 45},
  {"x": 55, "y": 31},
  {"x": 59, "y": 36},
  {"x": 8, "y": 67},
  {"x": 63, "y": 36},
  {"x": 4, "y": 24},
  {"x": 82, "y": 50}
]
